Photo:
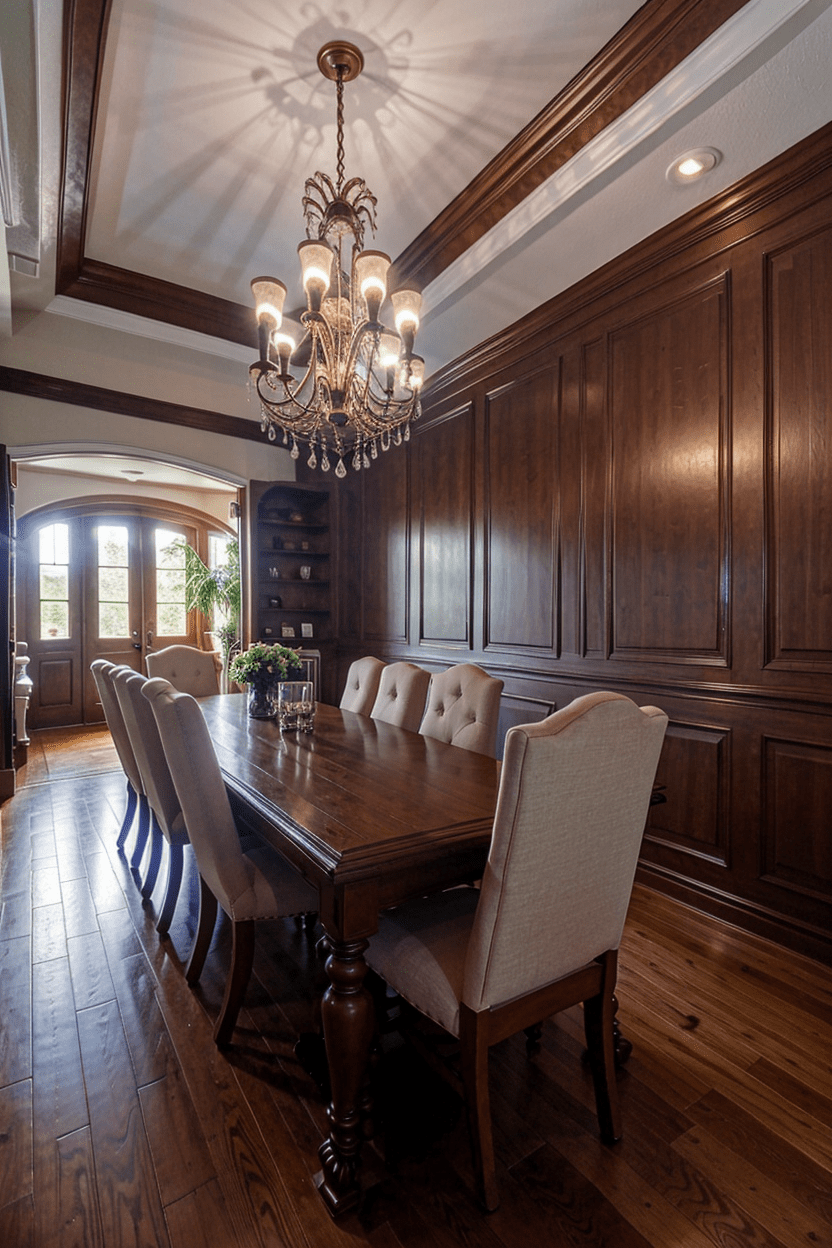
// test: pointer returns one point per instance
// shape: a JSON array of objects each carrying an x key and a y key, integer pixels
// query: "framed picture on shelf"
[
  {"x": 268, "y": 632},
  {"x": 306, "y": 630},
  {"x": 286, "y": 630}
]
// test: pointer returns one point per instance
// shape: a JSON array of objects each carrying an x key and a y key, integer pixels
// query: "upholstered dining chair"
[
  {"x": 361, "y": 685},
  {"x": 249, "y": 886},
  {"x": 166, "y": 814},
  {"x": 189, "y": 670},
  {"x": 401, "y": 695},
  {"x": 543, "y": 932},
  {"x": 463, "y": 708},
  {"x": 103, "y": 672}
]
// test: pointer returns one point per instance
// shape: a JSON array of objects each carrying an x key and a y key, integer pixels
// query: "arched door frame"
[{"x": 82, "y": 508}]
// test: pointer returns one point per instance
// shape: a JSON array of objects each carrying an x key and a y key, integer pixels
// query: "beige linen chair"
[
  {"x": 463, "y": 708},
  {"x": 189, "y": 670},
  {"x": 544, "y": 931},
  {"x": 167, "y": 816},
  {"x": 362, "y": 685},
  {"x": 401, "y": 695},
  {"x": 252, "y": 886},
  {"x": 103, "y": 672}
]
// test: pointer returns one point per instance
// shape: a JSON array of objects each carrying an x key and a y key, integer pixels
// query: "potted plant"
[
  {"x": 214, "y": 591},
  {"x": 262, "y": 667}
]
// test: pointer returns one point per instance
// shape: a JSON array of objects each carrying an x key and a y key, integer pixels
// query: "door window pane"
[
  {"x": 113, "y": 581},
  {"x": 53, "y": 580},
  {"x": 171, "y": 616}
]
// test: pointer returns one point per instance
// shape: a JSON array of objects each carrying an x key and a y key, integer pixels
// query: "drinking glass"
[{"x": 295, "y": 707}]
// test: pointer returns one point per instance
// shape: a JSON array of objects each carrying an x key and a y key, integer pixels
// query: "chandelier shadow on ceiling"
[{"x": 358, "y": 383}]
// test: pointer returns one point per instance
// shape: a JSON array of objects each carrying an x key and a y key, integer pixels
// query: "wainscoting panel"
[
  {"x": 521, "y": 511},
  {"x": 385, "y": 538},
  {"x": 797, "y": 792},
  {"x": 669, "y": 462},
  {"x": 443, "y": 456},
  {"x": 799, "y": 462},
  {"x": 695, "y": 771}
]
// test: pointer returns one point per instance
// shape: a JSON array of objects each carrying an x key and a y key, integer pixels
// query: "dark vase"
[{"x": 261, "y": 697}]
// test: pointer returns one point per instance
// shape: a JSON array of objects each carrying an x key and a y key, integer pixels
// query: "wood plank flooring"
[{"x": 121, "y": 1124}]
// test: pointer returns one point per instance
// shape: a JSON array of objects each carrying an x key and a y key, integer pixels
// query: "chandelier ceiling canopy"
[{"x": 342, "y": 382}]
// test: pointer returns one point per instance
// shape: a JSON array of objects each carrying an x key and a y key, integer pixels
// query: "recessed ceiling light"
[
  {"x": 132, "y": 474},
  {"x": 692, "y": 165}
]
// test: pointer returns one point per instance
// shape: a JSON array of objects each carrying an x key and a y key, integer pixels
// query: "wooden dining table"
[{"x": 371, "y": 815}]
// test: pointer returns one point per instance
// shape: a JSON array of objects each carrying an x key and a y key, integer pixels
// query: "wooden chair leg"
[
  {"x": 141, "y": 835},
  {"x": 127, "y": 821},
  {"x": 242, "y": 960},
  {"x": 175, "y": 855},
  {"x": 204, "y": 932},
  {"x": 473, "y": 1042},
  {"x": 599, "y": 1013},
  {"x": 157, "y": 840}
]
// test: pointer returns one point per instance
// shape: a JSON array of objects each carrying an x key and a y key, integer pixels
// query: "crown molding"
[
  {"x": 734, "y": 215},
  {"x": 715, "y": 57}
]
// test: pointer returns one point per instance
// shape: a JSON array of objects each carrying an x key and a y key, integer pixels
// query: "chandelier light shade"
[{"x": 343, "y": 383}]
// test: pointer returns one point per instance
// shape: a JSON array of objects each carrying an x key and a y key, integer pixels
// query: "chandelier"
[{"x": 358, "y": 382}]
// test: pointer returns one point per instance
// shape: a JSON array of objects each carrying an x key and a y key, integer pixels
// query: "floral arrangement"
[{"x": 264, "y": 660}]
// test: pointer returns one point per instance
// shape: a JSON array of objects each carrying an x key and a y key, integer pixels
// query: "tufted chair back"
[
  {"x": 362, "y": 685},
  {"x": 189, "y": 670},
  {"x": 401, "y": 695},
  {"x": 463, "y": 708}
]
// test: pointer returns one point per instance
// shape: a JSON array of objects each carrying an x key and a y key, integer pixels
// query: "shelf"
[{"x": 298, "y": 525}]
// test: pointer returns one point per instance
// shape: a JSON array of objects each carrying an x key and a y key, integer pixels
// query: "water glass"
[{"x": 295, "y": 706}]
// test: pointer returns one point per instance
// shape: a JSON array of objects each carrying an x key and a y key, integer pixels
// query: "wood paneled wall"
[{"x": 633, "y": 490}]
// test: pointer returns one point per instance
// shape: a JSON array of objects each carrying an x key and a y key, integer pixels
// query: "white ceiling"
[
  {"x": 120, "y": 468},
  {"x": 213, "y": 114}
]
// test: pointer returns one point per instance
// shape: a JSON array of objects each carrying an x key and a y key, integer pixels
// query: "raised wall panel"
[
  {"x": 799, "y": 495},
  {"x": 694, "y": 769},
  {"x": 443, "y": 456},
  {"x": 54, "y": 682},
  {"x": 385, "y": 535},
  {"x": 669, "y": 405},
  {"x": 797, "y": 806},
  {"x": 521, "y": 513},
  {"x": 594, "y": 471}
]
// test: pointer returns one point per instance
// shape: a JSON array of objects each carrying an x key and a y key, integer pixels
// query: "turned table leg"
[{"x": 347, "y": 1015}]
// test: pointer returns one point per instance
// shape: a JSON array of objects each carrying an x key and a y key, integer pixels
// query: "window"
[
  {"x": 53, "y": 581},
  {"x": 113, "y": 581},
  {"x": 171, "y": 616}
]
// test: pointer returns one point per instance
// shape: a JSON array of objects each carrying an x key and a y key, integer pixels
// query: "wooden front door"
[{"x": 98, "y": 586}]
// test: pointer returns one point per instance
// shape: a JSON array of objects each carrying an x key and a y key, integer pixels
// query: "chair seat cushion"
[
  {"x": 420, "y": 948},
  {"x": 276, "y": 889}
]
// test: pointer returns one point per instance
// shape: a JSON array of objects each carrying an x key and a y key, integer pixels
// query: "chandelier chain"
[{"x": 339, "y": 168}]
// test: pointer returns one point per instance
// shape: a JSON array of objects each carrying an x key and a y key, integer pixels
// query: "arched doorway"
[{"x": 101, "y": 578}]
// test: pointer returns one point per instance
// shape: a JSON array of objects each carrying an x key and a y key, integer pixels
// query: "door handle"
[{"x": 149, "y": 637}]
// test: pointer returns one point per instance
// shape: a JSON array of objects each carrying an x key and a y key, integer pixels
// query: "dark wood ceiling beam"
[
  {"x": 655, "y": 40},
  {"x": 80, "y": 394}
]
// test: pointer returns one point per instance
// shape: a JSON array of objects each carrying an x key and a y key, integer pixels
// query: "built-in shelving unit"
[{"x": 291, "y": 561}]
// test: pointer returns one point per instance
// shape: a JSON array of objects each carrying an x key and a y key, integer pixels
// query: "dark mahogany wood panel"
[
  {"x": 695, "y": 771},
  {"x": 443, "y": 458},
  {"x": 521, "y": 543},
  {"x": 385, "y": 557},
  {"x": 650, "y": 495},
  {"x": 797, "y": 793},
  {"x": 594, "y": 475},
  {"x": 799, "y": 598},
  {"x": 668, "y": 405}
]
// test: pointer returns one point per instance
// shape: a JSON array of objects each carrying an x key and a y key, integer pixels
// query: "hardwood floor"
[{"x": 120, "y": 1123}]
